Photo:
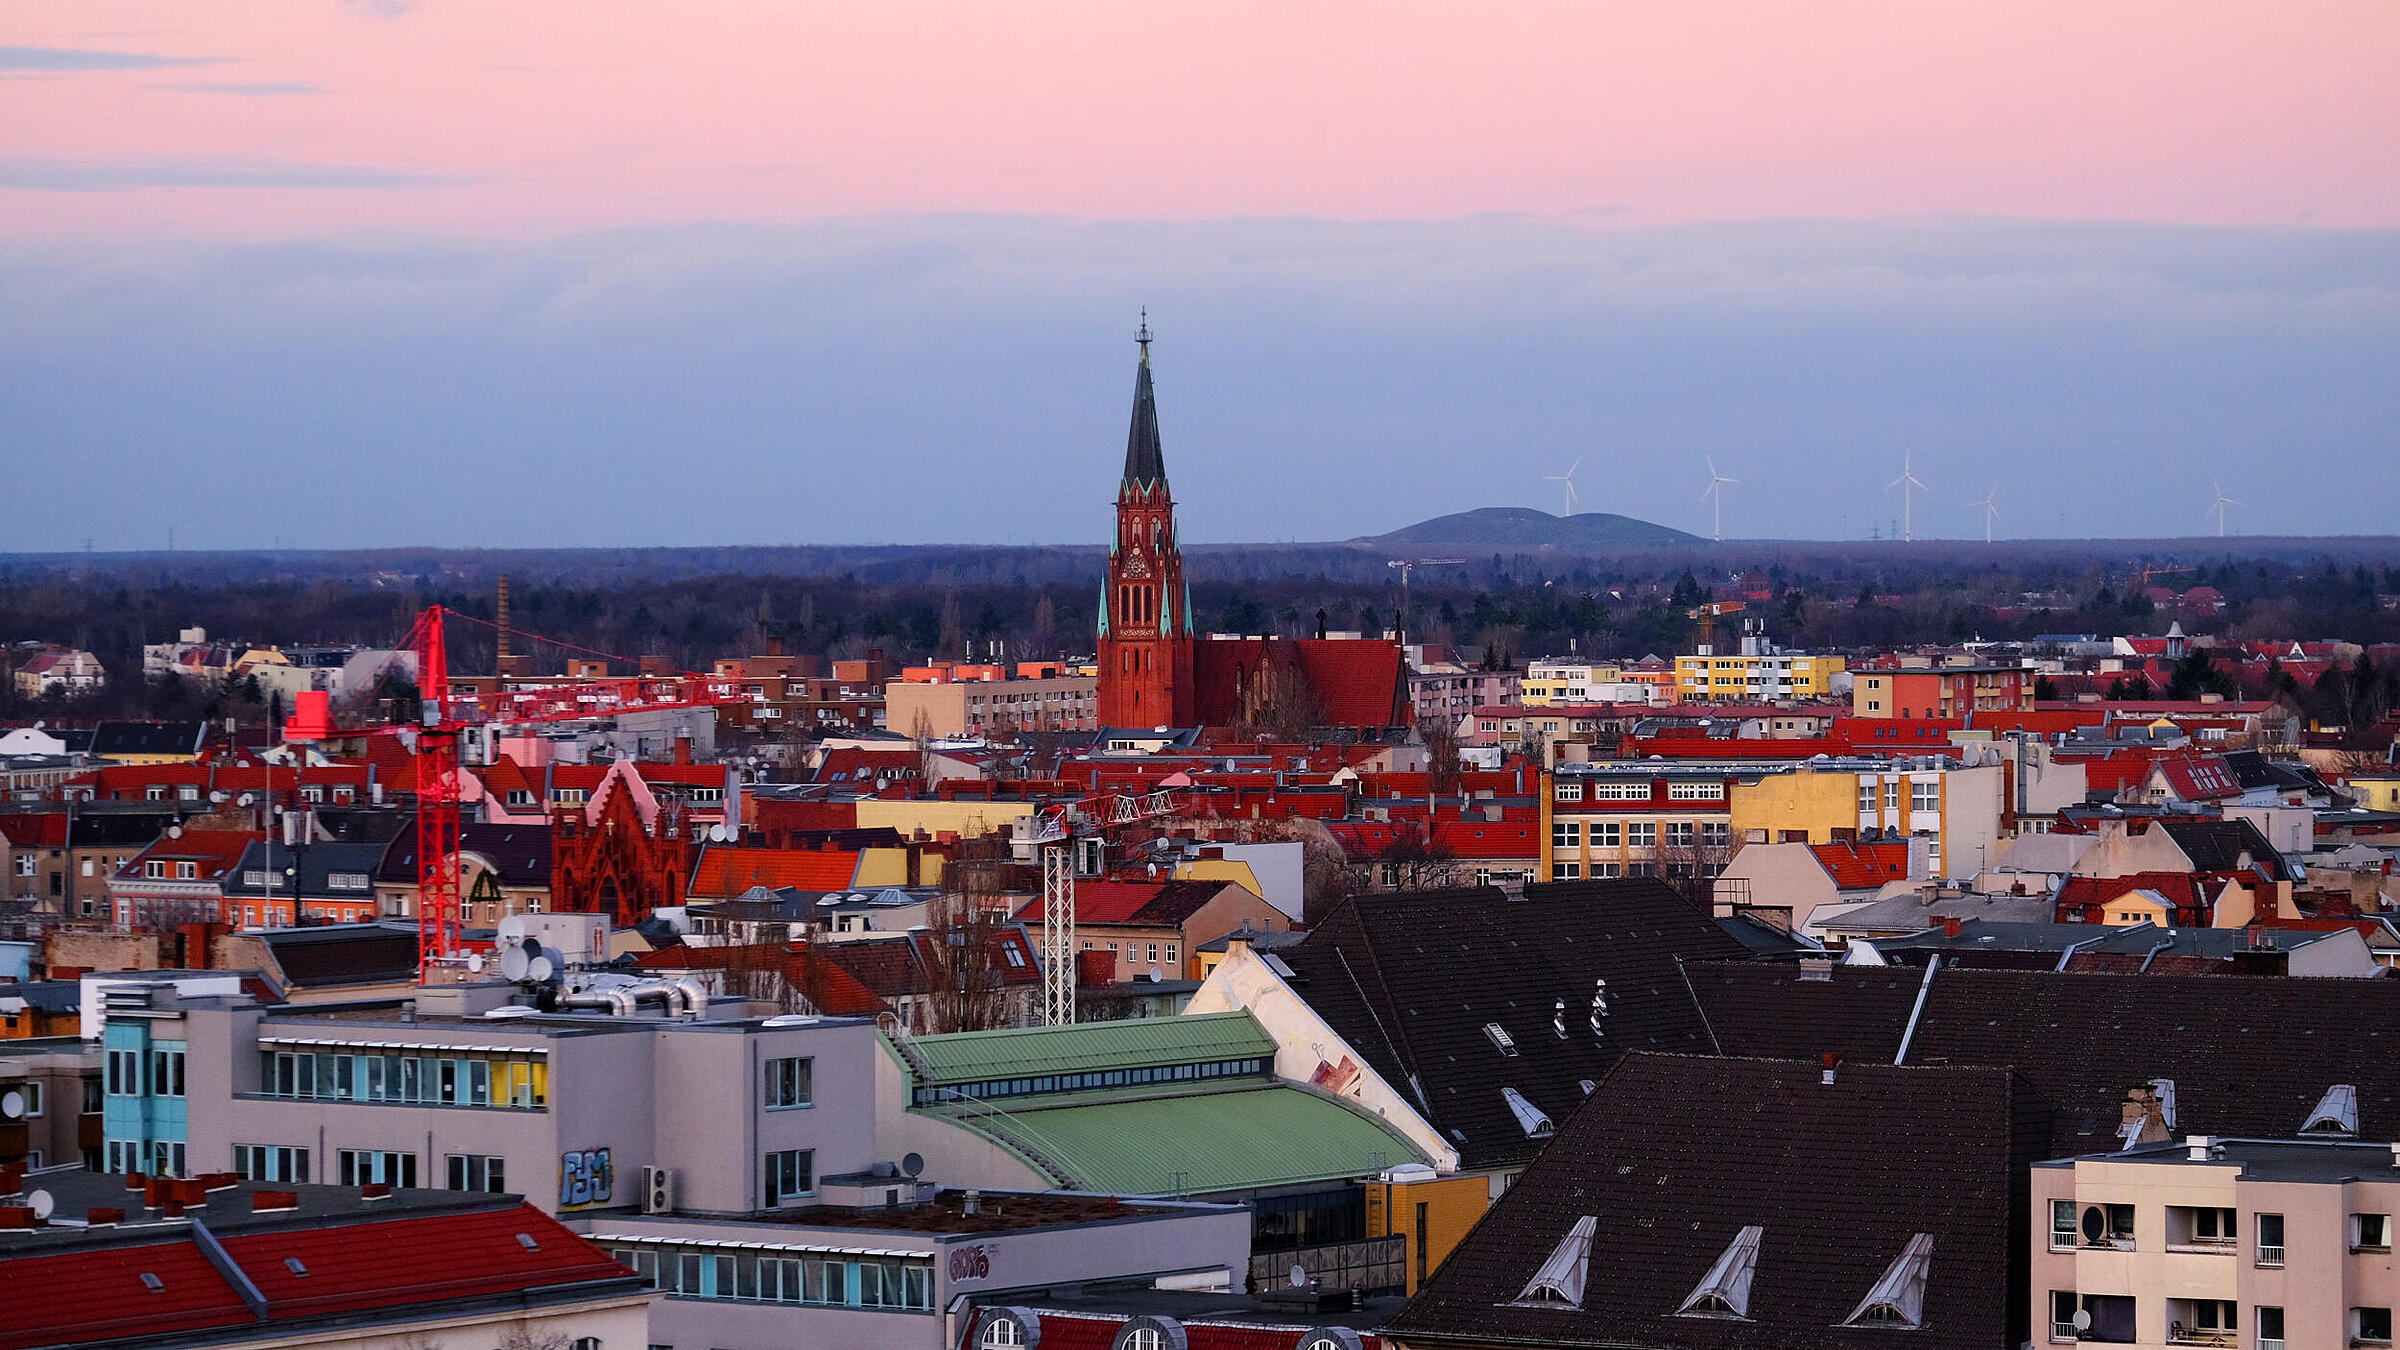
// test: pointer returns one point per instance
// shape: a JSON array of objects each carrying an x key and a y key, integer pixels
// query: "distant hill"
[{"x": 1506, "y": 527}]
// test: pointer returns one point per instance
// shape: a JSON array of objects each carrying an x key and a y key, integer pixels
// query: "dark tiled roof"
[
  {"x": 1675, "y": 1155},
  {"x": 1411, "y": 980},
  {"x": 146, "y": 738},
  {"x": 1145, "y": 463},
  {"x": 363, "y": 953},
  {"x": 521, "y": 853},
  {"x": 2218, "y": 845},
  {"x": 2249, "y": 1056},
  {"x": 315, "y": 864}
]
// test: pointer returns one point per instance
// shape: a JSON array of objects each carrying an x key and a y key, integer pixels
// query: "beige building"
[
  {"x": 987, "y": 707},
  {"x": 2256, "y": 1244}
]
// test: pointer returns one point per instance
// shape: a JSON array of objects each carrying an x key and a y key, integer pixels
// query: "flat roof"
[
  {"x": 2290, "y": 1160},
  {"x": 996, "y": 1212},
  {"x": 1116, "y": 1301}
]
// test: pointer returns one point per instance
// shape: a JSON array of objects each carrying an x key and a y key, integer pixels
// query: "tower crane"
[
  {"x": 1054, "y": 831},
  {"x": 1707, "y": 616},
  {"x": 1408, "y": 566},
  {"x": 445, "y": 718}
]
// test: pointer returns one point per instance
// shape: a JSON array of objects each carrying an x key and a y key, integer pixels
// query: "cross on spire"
[{"x": 1143, "y": 337}]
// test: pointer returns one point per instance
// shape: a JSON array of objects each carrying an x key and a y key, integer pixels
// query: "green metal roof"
[
  {"x": 1024, "y": 1052},
  {"x": 1198, "y": 1143}
]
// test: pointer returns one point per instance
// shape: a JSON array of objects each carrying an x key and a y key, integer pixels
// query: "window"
[
  {"x": 270, "y": 1162},
  {"x": 2370, "y": 1232},
  {"x": 1568, "y": 792},
  {"x": 1642, "y": 834},
  {"x": 2062, "y": 1301},
  {"x": 32, "y": 1093},
  {"x": 2062, "y": 1225},
  {"x": 1565, "y": 834},
  {"x": 1567, "y": 871},
  {"x": 475, "y": 1172},
  {"x": 166, "y": 1069},
  {"x": 1001, "y": 1333},
  {"x": 1924, "y": 795},
  {"x": 1695, "y": 792},
  {"x": 92, "y": 1096},
  {"x": 1679, "y": 834},
  {"x": 1716, "y": 834},
  {"x": 2372, "y": 1326},
  {"x": 2270, "y": 1329},
  {"x": 124, "y": 1073},
  {"x": 187, "y": 871},
  {"x": 155, "y": 870},
  {"x": 2201, "y": 1321},
  {"x": 1891, "y": 795},
  {"x": 2270, "y": 1240},
  {"x": 1143, "y": 1338},
  {"x": 791, "y": 1173},
  {"x": 360, "y": 1167}
]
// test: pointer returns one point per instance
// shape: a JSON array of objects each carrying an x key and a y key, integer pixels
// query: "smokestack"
[{"x": 504, "y": 652}]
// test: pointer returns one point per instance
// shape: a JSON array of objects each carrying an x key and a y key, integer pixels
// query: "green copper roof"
[
  {"x": 1197, "y": 1143},
  {"x": 1025, "y": 1052},
  {"x": 1145, "y": 463}
]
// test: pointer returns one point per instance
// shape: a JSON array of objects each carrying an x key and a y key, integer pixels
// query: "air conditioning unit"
[{"x": 658, "y": 1190}]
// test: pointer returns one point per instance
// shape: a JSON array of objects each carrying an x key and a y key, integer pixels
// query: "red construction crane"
[{"x": 444, "y": 719}]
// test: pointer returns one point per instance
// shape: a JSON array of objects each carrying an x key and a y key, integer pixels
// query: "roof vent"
[
  {"x": 1898, "y": 1299},
  {"x": 2336, "y": 1113},
  {"x": 1529, "y": 1117},
  {"x": 1725, "y": 1290},
  {"x": 1500, "y": 1039},
  {"x": 152, "y": 1283},
  {"x": 1559, "y": 1283},
  {"x": 292, "y": 1264},
  {"x": 526, "y": 1241}
]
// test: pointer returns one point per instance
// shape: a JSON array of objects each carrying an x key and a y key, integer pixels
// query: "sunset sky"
[{"x": 869, "y": 271}]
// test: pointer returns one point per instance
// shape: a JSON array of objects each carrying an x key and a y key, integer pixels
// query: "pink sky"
[{"x": 554, "y": 115}]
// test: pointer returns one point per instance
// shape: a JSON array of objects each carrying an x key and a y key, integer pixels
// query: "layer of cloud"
[
  {"x": 966, "y": 378},
  {"x": 77, "y": 58},
  {"x": 97, "y": 175},
  {"x": 253, "y": 89}
]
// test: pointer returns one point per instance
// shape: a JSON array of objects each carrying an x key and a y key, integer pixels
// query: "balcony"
[{"x": 2271, "y": 1257}]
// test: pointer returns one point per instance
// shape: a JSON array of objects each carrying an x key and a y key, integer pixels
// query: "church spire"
[{"x": 1145, "y": 464}]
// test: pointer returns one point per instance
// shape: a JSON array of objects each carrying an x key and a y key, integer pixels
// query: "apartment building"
[
  {"x": 1941, "y": 691},
  {"x": 2258, "y": 1244},
  {"x": 986, "y": 700},
  {"x": 1755, "y": 670}
]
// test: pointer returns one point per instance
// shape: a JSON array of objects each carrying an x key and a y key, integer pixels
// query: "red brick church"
[{"x": 1158, "y": 670}]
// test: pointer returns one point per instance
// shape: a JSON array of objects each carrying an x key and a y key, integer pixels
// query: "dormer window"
[
  {"x": 1529, "y": 1117},
  {"x": 1898, "y": 1299},
  {"x": 1559, "y": 1283},
  {"x": 2336, "y": 1112},
  {"x": 1725, "y": 1290}
]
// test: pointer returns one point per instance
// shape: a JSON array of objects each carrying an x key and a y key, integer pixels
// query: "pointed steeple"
[{"x": 1145, "y": 465}]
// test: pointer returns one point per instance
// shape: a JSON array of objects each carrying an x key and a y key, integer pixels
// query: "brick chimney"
[{"x": 1952, "y": 925}]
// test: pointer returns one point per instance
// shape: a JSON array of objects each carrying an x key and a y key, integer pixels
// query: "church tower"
[{"x": 1145, "y": 609}]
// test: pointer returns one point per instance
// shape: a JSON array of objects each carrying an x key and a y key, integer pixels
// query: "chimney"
[
  {"x": 2145, "y": 1116},
  {"x": 1951, "y": 925},
  {"x": 1831, "y": 1061},
  {"x": 2200, "y": 1147},
  {"x": 683, "y": 747},
  {"x": 971, "y": 1201}
]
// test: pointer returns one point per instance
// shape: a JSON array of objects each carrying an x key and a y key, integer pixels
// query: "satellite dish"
[
  {"x": 2095, "y": 1223},
  {"x": 2083, "y": 1320},
  {"x": 718, "y": 834},
  {"x": 538, "y": 970},
  {"x": 512, "y": 928},
  {"x": 913, "y": 1164},
  {"x": 475, "y": 963},
  {"x": 514, "y": 962},
  {"x": 243, "y": 800},
  {"x": 41, "y": 1203},
  {"x": 12, "y": 1105},
  {"x": 174, "y": 831},
  {"x": 1299, "y": 1277}
]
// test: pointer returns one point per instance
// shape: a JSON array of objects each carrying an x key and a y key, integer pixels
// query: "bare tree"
[
  {"x": 1277, "y": 703},
  {"x": 1690, "y": 864},
  {"x": 921, "y": 732},
  {"x": 527, "y": 1336},
  {"x": 1440, "y": 735},
  {"x": 1412, "y": 862},
  {"x": 966, "y": 988}
]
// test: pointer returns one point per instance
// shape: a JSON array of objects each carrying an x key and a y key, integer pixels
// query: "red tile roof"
[
  {"x": 1856, "y": 866},
  {"x": 1356, "y": 682},
  {"x": 827, "y": 985},
  {"x": 726, "y": 870},
  {"x": 100, "y": 1296},
  {"x": 216, "y": 852},
  {"x": 393, "y": 1262}
]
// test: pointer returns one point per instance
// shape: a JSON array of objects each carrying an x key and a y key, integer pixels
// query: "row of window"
[
  {"x": 356, "y": 1167},
  {"x": 1642, "y": 833},
  {"x": 2109, "y": 1319},
  {"x": 829, "y": 1281},
  {"x": 421, "y": 1080},
  {"x": 1923, "y": 795},
  {"x": 159, "y": 1073},
  {"x": 1084, "y": 1082},
  {"x": 1569, "y": 791},
  {"x": 2073, "y": 1225},
  {"x": 162, "y": 1158},
  {"x": 1609, "y": 871}
]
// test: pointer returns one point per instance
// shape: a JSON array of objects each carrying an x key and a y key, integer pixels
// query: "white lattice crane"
[{"x": 1055, "y": 829}]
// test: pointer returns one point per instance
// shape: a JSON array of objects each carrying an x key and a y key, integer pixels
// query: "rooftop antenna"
[
  {"x": 1716, "y": 489},
  {"x": 2218, "y": 508},
  {"x": 1990, "y": 512},
  {"x": 1908, "y": 483},
  {"x": 1567, "y": 481}
]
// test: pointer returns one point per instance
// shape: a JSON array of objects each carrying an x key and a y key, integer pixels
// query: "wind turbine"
[
  {"x": 2218, "y": 509},
  {"x": 1908, "y": 483},
  {"x": 1716, "y": 489},
  {"x": 1990, "y": 512},
  {"x": 1566, "y": 480}
]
